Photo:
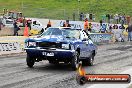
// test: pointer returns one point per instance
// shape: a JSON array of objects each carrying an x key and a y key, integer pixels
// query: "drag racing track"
[{"x": 14, "y": 73}]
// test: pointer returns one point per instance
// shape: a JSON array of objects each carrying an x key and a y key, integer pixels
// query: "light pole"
[
  {"x": 22, "y": 5},
  {"x": 64, "y": 13},
  {"x": 78, "y": 6}
]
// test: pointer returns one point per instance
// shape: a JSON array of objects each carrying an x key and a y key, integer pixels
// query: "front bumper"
[{"x": 58, "y": 53}]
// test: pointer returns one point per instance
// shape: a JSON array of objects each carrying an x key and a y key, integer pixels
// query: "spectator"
[
  {"x": 111, "y": 18},
  {"x": 24, "y": 22},
  {"x": 129, "y": 30},
  {"x": 66, "y": 24},
  {"x": 100, "y": 22},
  {"x": 108, "y": 16},
  {"x": 81, "y": 16},
  {"x": 29, "y": 23},
  {"x": 110, "y": 28},
  {"x": 120, "y": 18},
  {"x": 87, "y": 16},
  {"x": 86, "y": 24},
  {"x": 116, "y": 17},
  {"x": 16, "y": 28},
  {"x": 90, "y": 26},
  {"x": 91, "y": 17},
  {"x": 102, "y": 30},
  {"x": 128, "y": 18},
  {"x": 104, "y": 18},
  {"x": 123, "y": 19},
  {"x": 0, "y": 24}
]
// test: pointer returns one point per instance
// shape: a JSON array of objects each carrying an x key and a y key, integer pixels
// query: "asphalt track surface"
[{"x": 14, "y": 73}]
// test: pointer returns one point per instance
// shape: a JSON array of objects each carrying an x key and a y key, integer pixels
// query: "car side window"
[
  {"x": 36, "y": 23},
  {"x": 83, "y": 35}
]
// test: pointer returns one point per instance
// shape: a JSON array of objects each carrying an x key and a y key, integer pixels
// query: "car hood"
[{"x": 51, "y": 38}]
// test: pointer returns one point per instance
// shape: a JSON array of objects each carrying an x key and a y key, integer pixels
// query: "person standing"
[
  {"x": 24, "y": 21},
  {"x": 116, "y": 18},
  {"x": 0, "y": 24},
  {"x": 90, "y": 27},
  {"x": 81, "y": 16},
  {"x": 129, "y": 30},
  {"x": 15, "y": 28},
  {"x": 66, "y": 24},
  {"x": 128, "y": 18},
  {"x": 108, "y": 17},
  {"x": 86, "y": 24},
  {"x": 102, "y": 27},
  {"x": 90, "y": 17},
  {"x": 29, "y": 22}
]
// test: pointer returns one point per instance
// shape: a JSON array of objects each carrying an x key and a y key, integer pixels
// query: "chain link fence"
[{"x": 60, "y": 14}]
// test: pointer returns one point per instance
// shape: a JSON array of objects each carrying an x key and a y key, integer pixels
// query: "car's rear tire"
[
  {"x": 30, "y": 61},
  {"x": 75, "y": 61},
  {"x": 89, "y": 61}
]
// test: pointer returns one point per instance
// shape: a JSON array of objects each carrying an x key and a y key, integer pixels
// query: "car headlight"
[
  {"x": 65, "y": 46},
  {"x": 31, "y": 44},
  {"x": 72, "y": 47}
]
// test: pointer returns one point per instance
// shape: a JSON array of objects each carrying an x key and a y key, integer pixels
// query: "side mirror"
[{"x": 90, "y": 41}]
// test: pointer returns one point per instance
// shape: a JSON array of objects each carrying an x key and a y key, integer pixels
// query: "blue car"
[{"x": 61, "y": 44}]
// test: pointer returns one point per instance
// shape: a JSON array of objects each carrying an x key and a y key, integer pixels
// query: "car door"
[
  {"x": 84, "y": 48},
  {"x": 90, "y": 47}
]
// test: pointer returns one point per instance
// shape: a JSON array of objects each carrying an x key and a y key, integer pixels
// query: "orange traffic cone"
[{"x": 26, "y": 31}]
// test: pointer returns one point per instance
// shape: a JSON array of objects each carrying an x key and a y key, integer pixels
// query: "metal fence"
[{"x": 28, "y": 11}]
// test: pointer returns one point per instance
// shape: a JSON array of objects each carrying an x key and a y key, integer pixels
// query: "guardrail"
[
  {"x": 102, "y": 37},
  {"x": 15, "y": 44},
  {"x": 11, "y": 44}
]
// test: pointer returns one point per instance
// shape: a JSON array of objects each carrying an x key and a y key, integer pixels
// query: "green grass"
[{"x": 63, "y": 9}]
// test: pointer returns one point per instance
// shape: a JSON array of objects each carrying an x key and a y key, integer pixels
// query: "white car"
[
  {"x": 36, "y": 27},
  {"x": 7, "y": 22}
]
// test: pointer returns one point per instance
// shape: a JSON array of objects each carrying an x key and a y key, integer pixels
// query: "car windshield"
[
  {"x": 71, "y": 33},
  {"x": 52, "y": 31},
  {"x": 68, "y": 33},
  {"x": 9, "y": 22}
]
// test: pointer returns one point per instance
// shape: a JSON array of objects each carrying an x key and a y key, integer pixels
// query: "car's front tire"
[
  {"x": 30, "y": 61},
  {"x": 75, "y": 61}
]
